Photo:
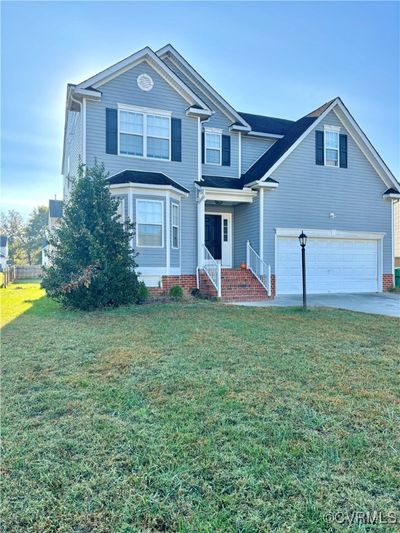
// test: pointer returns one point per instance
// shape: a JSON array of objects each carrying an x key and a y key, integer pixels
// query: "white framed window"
[
  {"x": 213, "y": 147},
  {"x": 331, "y": 147},
  {"x": 175, "y": 225},
  {"x": 149, "y": 223},
  {"x": 144, "y": 133}
]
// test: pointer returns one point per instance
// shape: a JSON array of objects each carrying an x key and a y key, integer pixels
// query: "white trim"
[
  {"x": 92, "y": 95},
  {"x": 137, "y": 200},
  {"x": 266, "y": 135},
  {"x": 392, "y": 243},
  {"x": 155, "y": 62},
  {"x": 159, "y": 271},
  {"x": 336, "y": 131},
  {"x": 200, "y": 82},
  {"x": 240, "y": 155},
  {"x": 329, "y": 127},
  {"x": 200, "y": 228},
  {"x": 168, "y": 231},
  {"x": 228, "y": 195},
  {"x": 228, "y": 215},
  {"x": 261, "y": 228},
  {"x": 212, "y": 131},
  {"x": 145, "y": 112},
  {"x": 329, "y": 233},
  {"x": 142, "y": 109},
  {"x": 199, "y": 151},
  {"x": 84, "y": 131},
  {"x": 130, "y": 211},
  {"x": 195, "y": 112},
  {"x": 391, "y": 196},
  {"x": 148, "y": 188},
  {"x": 178, "y": 206}
]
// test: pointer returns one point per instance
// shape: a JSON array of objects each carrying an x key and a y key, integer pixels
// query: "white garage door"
[{"x": 332, "y": 265}]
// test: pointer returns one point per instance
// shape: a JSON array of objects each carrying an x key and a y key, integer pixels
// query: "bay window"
[
  {"x": 175, "y": 223},
  {"x": 149, "y": 223},
  {"x": 144, "y": 134}
]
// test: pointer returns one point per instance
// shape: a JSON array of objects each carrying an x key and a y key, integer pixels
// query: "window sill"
[{"x": 145, "y": 158}]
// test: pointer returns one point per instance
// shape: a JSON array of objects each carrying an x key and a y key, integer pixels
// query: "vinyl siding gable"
[{"x": 309, "y": 193}]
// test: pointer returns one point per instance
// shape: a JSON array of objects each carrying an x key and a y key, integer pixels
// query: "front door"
[
  {"x": 213, "y": 236},
  {"x": 218, "y": 237}
]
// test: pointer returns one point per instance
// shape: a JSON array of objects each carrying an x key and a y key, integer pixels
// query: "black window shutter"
[
  {"x": 343, "y": 150},
  {"x": 203, "y": 147},
  {"x": 319, "y": 147},
  {"x": 176, "y": 139},
  {"x": 226, "y": 150},
  {"x": 111, "y": 131}
]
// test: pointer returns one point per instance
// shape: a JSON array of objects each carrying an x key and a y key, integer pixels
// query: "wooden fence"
[{"x": 21, "y": 272}]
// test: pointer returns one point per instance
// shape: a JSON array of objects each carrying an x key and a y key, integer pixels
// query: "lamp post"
[{"x": 303, "y": 242}]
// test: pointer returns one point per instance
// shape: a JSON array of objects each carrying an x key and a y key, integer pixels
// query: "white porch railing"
[
  {"x": 261, "y": 270},
  {"x": 213, "y": 270}
]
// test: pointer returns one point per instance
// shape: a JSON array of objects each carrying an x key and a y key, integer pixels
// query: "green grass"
[{"x": 196, "y": 417}]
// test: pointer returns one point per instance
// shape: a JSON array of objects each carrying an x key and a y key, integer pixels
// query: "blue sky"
[{"x": 274, "y": 58}]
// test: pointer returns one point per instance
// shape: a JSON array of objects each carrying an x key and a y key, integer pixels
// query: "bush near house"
[
  {"x": 92, "y": 263},
  {"x": 176, "y": 292}
]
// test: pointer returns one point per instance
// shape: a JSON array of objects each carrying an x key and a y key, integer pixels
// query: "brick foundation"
[
  {"x": 387, "y": 281},
  {"x": 186, "y": 281}
]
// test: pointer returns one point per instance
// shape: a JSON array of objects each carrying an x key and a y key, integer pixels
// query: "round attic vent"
[{"x": 145, "y": 82}]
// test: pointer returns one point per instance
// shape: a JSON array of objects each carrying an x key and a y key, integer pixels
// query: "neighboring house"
[
  {"x": 55, "y": 214},
  {"x": 3, "y": 251},
  {"x": 201, "y": 179}
]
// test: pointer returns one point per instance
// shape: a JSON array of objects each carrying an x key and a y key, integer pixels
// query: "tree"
[
  {"x": 13, "y": 226},
  {"x": 91, "y": 262},
  {"x": 35, "y": 234}
]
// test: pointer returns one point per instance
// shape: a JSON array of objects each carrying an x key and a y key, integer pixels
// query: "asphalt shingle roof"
[
  {"x": 271, "y": 156},
  {"x": 148, "y": 178},
  {"x": 259, "y": 123},
  {"x": 224, "y": 182}
]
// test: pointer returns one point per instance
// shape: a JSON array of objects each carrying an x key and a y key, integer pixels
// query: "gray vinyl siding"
[
  {"x": 124, "y": 90},
  {"x": 245, "y": 227},
  {"x": 175, "y": 253},
  {"x": 217, "y": 120},
  {"x": 253, "y": 149},
  {"x": 150, "y": 257},
  {"x": 308, "y": 193},
  {"x": 73, "y": 148}
]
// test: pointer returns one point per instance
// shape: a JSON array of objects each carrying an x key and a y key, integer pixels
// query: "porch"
[{"x": 230, "y": 265}]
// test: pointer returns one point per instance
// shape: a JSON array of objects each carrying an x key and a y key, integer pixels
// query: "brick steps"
[{"x": 237, "y": 286}]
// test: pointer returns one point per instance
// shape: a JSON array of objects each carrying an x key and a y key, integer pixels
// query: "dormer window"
[
  {"x": 331, "y": 148},
  {"x": 213, "y": 145}
]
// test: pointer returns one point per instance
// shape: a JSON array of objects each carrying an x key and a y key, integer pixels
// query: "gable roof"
[
  {"x": 146, "y": 54},
  {"x": 292, "y": 133},
  {"x": 274, "y": 157},
  {"x": 170, "y": 52},
  {"x": 146, "y": 178},
  {"x": 262, "y": 124},
  {"x": 56, "y": 208}
]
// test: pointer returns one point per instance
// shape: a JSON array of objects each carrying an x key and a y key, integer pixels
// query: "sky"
[{"x": 279, "y": 59}]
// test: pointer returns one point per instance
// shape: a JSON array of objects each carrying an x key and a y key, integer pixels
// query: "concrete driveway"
[{"x": 377, "y": 303}]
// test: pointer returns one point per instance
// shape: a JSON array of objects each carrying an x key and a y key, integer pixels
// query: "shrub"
[
  {"x": 142, "y": 293},
  {"x": 176, "y": 292},
  {"x": 91, "y": 262}
]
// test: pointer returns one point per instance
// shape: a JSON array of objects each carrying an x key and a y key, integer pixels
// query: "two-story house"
[{"x": 211, "y": 189}]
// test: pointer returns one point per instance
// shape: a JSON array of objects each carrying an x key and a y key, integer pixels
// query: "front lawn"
[{"x": 196, "y": 417}]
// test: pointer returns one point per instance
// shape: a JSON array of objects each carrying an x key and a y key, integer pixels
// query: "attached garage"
[{"x": 336, "y": 262}]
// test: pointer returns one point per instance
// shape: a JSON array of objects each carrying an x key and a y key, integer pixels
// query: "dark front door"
[{"x": 213, "y": 235}]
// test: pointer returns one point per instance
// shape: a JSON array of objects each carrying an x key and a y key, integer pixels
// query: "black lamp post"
[{"x": 303, "y": 242}]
